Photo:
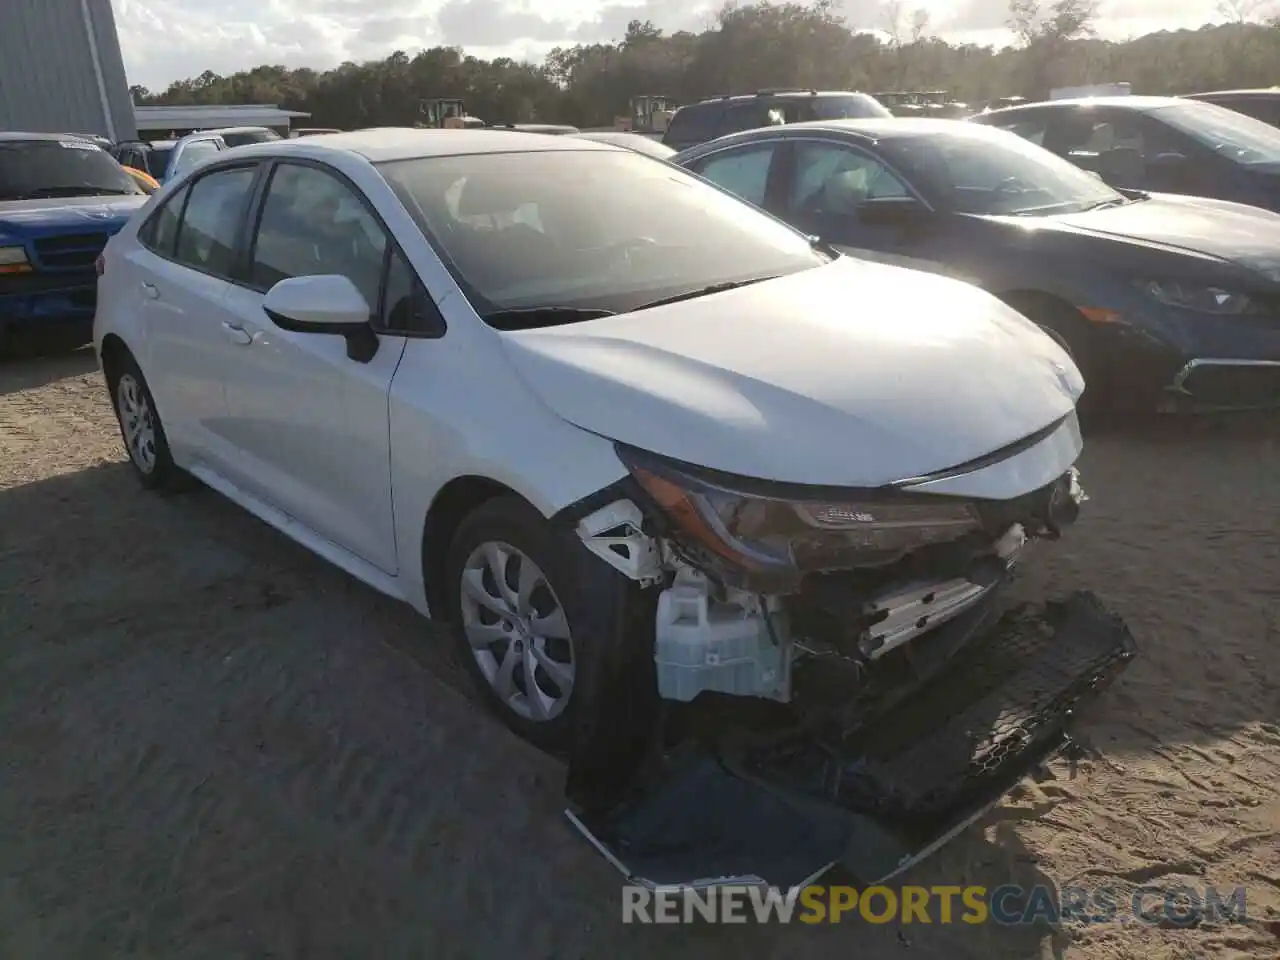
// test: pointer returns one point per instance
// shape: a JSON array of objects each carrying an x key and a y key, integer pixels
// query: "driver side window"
[
  {"x": 313, "y": 224},
  {"x": 835, "y": 180}
]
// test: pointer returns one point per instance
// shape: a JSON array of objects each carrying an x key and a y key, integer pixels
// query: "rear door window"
[{"x": 743, "y": 172}]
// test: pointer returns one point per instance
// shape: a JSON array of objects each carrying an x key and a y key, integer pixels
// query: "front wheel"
[{"x": 511, "y": 592}]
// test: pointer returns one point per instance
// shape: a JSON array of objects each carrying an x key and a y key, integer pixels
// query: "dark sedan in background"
[
  {"x": 1165, "y": 144},
  {"x": 1162, "y": 300}
]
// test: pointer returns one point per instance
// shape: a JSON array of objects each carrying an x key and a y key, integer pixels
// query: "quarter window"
[
  {"x": 741, "y": 172},
  {"x": 211, "y": 220},
  {"x": 160, "y": 233},
  {"x": 313, "y": 224}
]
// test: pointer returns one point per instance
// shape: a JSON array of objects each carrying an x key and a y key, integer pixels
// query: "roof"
[
  {"x": 380, "y": 144},
  {"x": 1130, "y": 102},
  {"x": 869, "y": 129},
  {"x": 9, "y": 135},
  {"x": 1260, "y": 92},
  {"x": 772, "y": 94}
]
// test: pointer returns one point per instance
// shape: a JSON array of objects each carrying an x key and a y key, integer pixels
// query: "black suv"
[{"x": 708, "y": 119}]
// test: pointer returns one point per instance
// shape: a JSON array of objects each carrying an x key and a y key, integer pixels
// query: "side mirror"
[
  {"x": 329, "y": 303},
  {"x": 892, "y": 212}
]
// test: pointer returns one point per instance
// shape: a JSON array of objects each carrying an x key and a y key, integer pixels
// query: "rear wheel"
[{"x": 140, "y": 427}]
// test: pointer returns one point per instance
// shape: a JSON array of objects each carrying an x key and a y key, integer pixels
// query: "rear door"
[
  {"x": 178, "y": 275},
  {"x": 309, "y": 422}
]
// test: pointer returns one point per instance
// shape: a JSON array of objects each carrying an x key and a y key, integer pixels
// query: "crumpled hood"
[
  {"x": 1240, "y": 234},
  {"x": 851, "y": 374},
  {"x": 20, "y": 219}
]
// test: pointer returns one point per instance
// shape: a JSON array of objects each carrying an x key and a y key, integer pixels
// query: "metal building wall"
[{"x": 56, "y": 76}]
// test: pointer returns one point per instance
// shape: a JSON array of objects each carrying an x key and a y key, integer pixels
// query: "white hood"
[{"x": 851, "y": 374}]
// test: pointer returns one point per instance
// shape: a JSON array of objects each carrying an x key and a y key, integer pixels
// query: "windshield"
[
  {"x": 990, "y": 172},
  {"x": 590, "y": 229},
  {"x": 31, "y": 169},
  {"x": 1242, "y": 139}
]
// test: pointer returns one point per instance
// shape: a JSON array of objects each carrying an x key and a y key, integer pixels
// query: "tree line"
[{"x": 752, "y": 46}]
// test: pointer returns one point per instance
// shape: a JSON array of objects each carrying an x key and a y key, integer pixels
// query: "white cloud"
[{"x": 166, "y": 40}]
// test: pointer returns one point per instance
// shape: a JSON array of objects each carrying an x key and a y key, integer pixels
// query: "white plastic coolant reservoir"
[{"x": 723, "y": 647}]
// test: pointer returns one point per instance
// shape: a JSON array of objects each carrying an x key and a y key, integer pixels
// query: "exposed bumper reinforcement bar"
[
  {"x": 893, "y": 792},
  {"x": 1224, "y": 383}
]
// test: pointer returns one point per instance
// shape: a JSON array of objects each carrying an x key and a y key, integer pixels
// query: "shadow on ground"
[{"x": 18, "y": 375}]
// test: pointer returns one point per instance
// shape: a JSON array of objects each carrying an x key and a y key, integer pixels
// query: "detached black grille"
[{"x": 70, "y": 250}]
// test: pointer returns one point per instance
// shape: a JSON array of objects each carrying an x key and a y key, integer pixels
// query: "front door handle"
[
  {"x": 237, "y": 334},
  {"x": 151, "y": 291}
]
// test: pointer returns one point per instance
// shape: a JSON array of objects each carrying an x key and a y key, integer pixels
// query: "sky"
[{"x": 167, "y": 40}]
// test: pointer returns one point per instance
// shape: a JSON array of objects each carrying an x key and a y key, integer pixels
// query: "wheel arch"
[
  {"x": 113, "y": 352},
  {"x": 450, "y": 506}
]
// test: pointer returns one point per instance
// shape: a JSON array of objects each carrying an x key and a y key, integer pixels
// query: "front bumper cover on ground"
[{"x": 892, "y": 791}]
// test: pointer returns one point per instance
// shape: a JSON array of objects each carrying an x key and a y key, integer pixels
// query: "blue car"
[{"x": 61, "y": 199}]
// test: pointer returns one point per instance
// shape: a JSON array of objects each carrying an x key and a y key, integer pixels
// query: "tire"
[
  {"x": 510, "y": 637},
  {"x": 141, "y": 430}
]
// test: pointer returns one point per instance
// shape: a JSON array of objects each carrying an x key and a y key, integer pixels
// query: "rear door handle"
[
  {"x": 151, "y": 290},
  {"x": 237, "y": 334}
]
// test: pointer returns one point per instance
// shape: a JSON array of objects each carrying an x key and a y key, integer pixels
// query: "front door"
[
  {"x": 311, "y": 423},
  {"x": 178, "y": 275}
]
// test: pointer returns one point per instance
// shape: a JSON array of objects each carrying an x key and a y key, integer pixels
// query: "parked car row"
[{"x": 1160, "y": 299}]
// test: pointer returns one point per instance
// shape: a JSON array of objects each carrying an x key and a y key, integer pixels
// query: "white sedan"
[{"x": 635, "y": 440}]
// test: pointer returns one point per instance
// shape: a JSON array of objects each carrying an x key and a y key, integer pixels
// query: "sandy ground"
[{"x": 214, "y": 745}]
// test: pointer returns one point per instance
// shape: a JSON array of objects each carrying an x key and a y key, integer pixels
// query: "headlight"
[
  {"x": 779, "y": 537},
  {"x": 13, "y": 257},
  {"x": 1189, "y": 296}
]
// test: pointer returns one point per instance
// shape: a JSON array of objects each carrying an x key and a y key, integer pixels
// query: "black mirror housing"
[{"x": 892, "y": 211}]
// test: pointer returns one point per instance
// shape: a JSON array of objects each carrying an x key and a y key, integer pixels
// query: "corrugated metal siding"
[{"x": 48, "y": 81}]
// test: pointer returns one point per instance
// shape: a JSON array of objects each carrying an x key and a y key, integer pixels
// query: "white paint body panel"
[
  {"x": 852, "y": 374},
  {"x": 849, "y": 374}
]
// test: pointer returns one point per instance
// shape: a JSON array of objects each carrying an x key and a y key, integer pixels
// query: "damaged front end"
[{"x": 811, "y": 678}]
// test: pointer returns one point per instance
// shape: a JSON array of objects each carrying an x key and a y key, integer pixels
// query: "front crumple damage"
[{"x": 864, "y": 716}]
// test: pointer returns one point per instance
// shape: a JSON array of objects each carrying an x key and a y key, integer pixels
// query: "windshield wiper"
[
  {"x": 1109, "y": 202},
  {"x": 704, "y": 291},
  {"x": 42, "y": 193},
  {"x": 530, "y": 318}
]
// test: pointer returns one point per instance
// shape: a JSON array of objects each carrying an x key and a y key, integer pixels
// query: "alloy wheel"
[
  {"x": 517, "y": 631},
  {"x": 137, "y": 421}
]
